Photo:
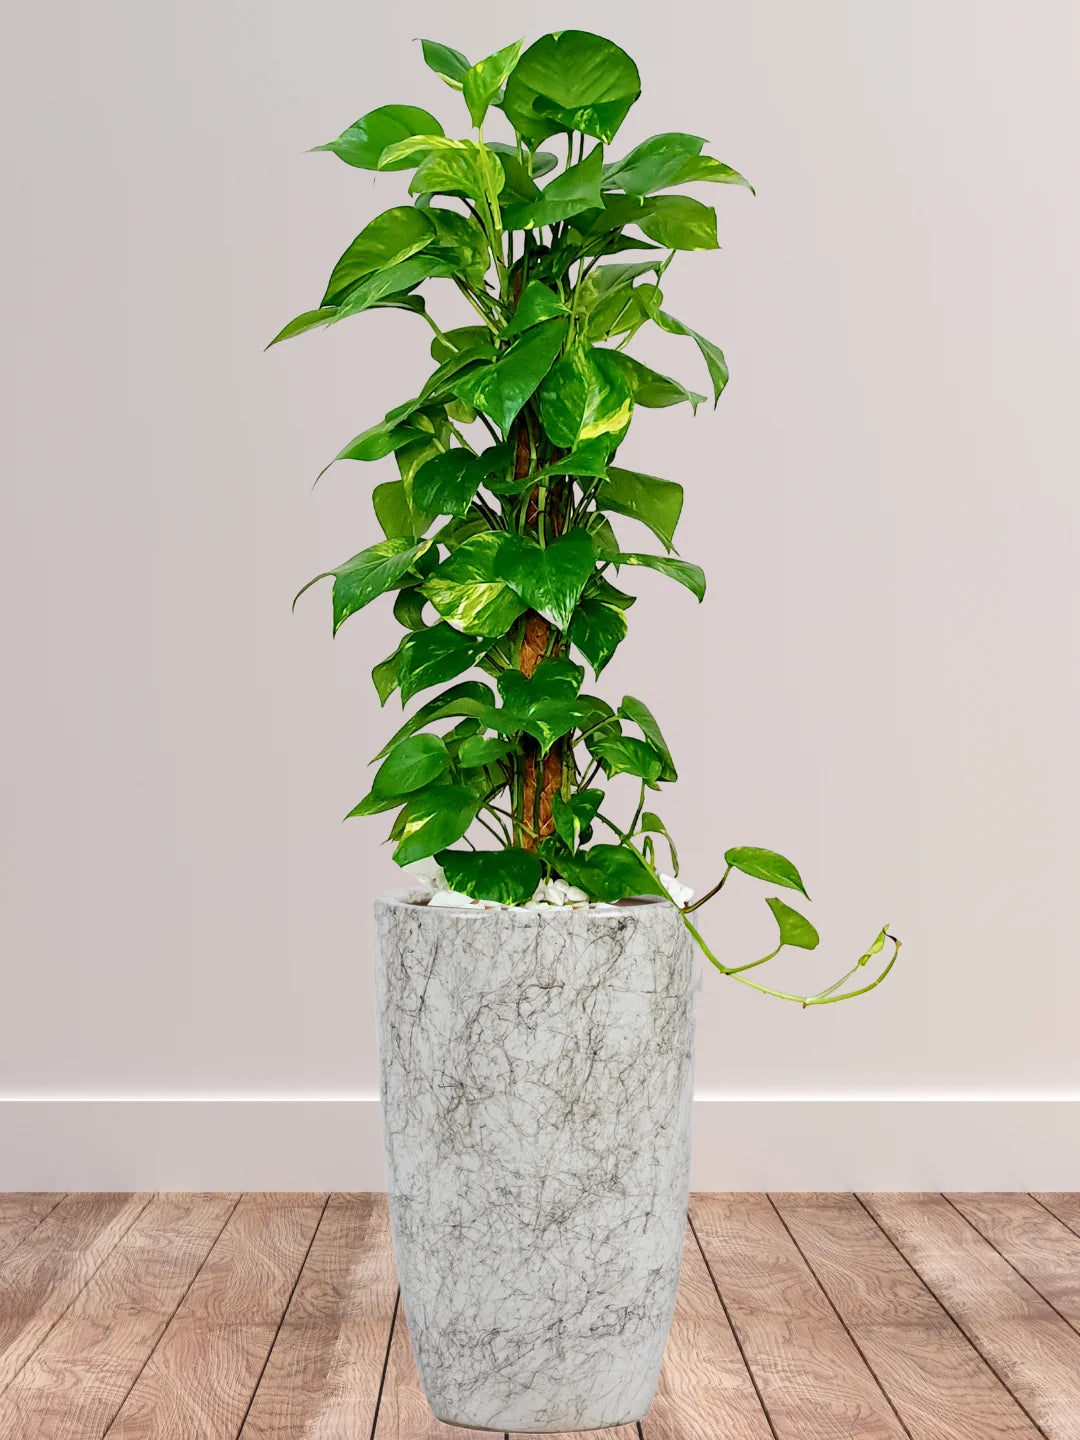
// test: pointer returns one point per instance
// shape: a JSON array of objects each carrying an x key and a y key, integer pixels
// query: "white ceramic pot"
[{"x": 536, "y": 1074}]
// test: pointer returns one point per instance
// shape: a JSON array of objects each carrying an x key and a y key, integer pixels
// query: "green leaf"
[
  {"x": 469, "y": 698},
  {"x": 680, "y": 223},
  {"x": 430, "y": 657},
  {"x": 386, "y": 676},
  {"x": 597, "y": 629},
  {"x": 435, "y": 819},
  {"x": 411, "y": 764},
  {"x": 549, "y": 720},
  {"x": 571, "y": 81},
  {"x": 469, "y": 589},
  {"x": 537, "y": 303},
  {"x": 375, "y": 805},
  {"x": 459, "y": 239},
  {"x": 622, "y": 754},
  {"x": 482, "y": 750},
  {"x": 555, "y": 678},
  {"x": 502, "y": 388},
  {"x": 549, "y": 580},
  {"x": 451, "y": 343},
  {"x": 465, "y": 168},
  {"x": 656, "y": 503},
  {"x": 666, "y": 160},
  {"x": 404, "y": 276},
  {"x": 765, "y": 865},
  {"x": 483, "y": 81},
  {"x": 711, "y": 354},
  {"x": 363, "y": 143},
  {"x": 446, "y": 484},
  {"x": 388, "y": 239},
  {"x": 641, "y": 716},
  {"x": 586, "y": 394},
  {"x": 653, "y": 390},
  {"x": 605, "y": 280},
  {"x": 449, "y": 64},
  {"x": 573, "y": 817},
  {"x": 409, "y": 609},
  {"x": 653, "y": 825},
  {"x": 375, "y": 442},
  {"x": 367, "y": 575},
  {"x": 795, "y": 929},
  {"x": 508, "y": 876},
  {"x": 622, "y": 312},
  {"x": 575, "y": 190},
  {"x": 692, "y": 576},
  {"x": 309, "y": 320},
  {"x": 610, "y": 872},
  {"x": 397, "y": 513},
  {"x": 588, "y": 459}
]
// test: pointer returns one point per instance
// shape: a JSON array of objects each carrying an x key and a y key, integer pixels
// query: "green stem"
[{"x": 710, "y": 893}]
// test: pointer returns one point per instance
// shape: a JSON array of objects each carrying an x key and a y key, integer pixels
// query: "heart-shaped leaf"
[
  {"x": 483, "y": 81},
  {"x": 449, "y": 64},
  {"x": 446, "y": 484},
  {"x": 571, "y": 81},
  {"x": 585, "y": 395},
  {"x": 388, "y": 239},
  {"x": 692, "y": 576},
  {"x": 656, "y": 503},
  {"x": 367, "y": 575},
  {"x": 507, "y": 876},
  {"x": 411, "y": 764},
  {"x": 765, "y": 865},
  {"x": 431, "y": 657},
  {"x": 502, "y": 388},
  {"x": 610, "y": 872},
  {"x": 680, "y": 223},
  {"x": 363, "y": 143},
  {"x": 795, "y": 929},
  {"x": 434, "y": 819},
  {"x": 549, "y": 580},
  {"x": 469, "y": 590}
]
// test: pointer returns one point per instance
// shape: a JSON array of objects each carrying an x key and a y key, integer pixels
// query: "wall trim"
[{"x": 921, "y": 1142}]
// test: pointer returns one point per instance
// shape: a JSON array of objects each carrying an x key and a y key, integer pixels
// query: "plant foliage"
[{"x": 499, "y": 548}]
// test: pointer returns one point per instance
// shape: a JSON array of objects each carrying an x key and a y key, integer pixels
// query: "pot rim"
[{"x": 417, "y": 899}]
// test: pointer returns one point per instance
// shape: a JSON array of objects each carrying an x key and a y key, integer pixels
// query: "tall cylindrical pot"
[{"x": 536, "y": 1071}]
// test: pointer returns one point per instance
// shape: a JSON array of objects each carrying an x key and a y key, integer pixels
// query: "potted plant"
[{"x": 536, "y": 1001}]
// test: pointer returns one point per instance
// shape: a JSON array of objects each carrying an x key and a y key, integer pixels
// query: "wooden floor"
[{"x": 800, "y": 1317}]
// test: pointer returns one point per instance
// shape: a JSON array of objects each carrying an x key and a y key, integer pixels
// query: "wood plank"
[
  {"x": 403, "y": 1411},
  {"x": 322, "y": 1380},
  {"x": 1031, "y": 1349},
  {"x": 940, "y": 1387},
  {"x": 202, "y": 1375},
  {"x": 22, "y": 1213},
  {"x": 45, "y": 1273},
  {"x": 813, "y": 1382},
  {"x": 704, "y": 1388},
  {"x": 1064, "y": 1205},
  {"x": 77, "y": 1379},
  {"x": 1045, "y": 1251}
]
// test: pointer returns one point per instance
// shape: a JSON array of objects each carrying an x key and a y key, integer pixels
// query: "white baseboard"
[{"x": 320, "y": 1143}]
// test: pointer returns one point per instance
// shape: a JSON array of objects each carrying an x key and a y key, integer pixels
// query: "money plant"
[{"x": 503, "y": 541}]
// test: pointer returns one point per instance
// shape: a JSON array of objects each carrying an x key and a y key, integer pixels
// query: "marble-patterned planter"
[{"x": 536, "y": 1089}]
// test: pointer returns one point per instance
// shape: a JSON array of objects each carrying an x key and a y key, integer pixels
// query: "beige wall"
[{"x": 882, "y": 682}]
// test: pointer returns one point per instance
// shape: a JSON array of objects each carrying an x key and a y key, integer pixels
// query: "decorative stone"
[{"x": 536, "y": 1071}]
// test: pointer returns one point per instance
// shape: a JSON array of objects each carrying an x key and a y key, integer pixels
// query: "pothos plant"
[{"x": 499, "y": 546}]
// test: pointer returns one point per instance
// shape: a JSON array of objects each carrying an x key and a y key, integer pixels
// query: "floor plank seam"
[
  {"x": 168, "y": 1322},
  {"x": 843, "y": 1323},
  {"x": 281, "y": 1318},
  {"x": 734, "y": 1332},
  {"x": 41, "y": 1218},
  {"x": 1071, "y": 1229},
  {"x": 42, "y": 1339},
  {"x": 1014, "y": 1268},
  {"x": 969, "y": 1338},
  {"x": 385, "y": 1365}
]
